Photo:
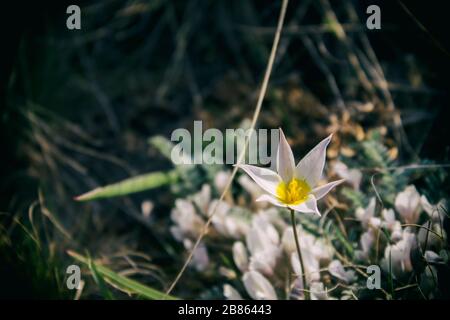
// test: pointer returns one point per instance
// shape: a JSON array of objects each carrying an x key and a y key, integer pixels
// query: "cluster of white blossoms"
[
  {"x": 189, "y": 217},
  {"x": 263, "y": 250},
  {"x": 400, "y": 233},
  {"x": 270, "y": 265},
  {"x": 262, "y": 245}
]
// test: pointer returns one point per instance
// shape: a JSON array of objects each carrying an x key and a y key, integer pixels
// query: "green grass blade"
[
  {"x": 106, "y": 293},
  {"x": 130, "y": 185},
  {"x": 343, "y": 240},
  {"x": 124, "y": 283}
]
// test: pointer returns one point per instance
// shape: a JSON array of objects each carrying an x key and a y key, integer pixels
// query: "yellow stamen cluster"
[{"x": 293, "y": 193}]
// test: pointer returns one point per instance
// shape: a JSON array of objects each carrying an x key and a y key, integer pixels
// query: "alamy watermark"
[
  {"x": 74, "y": 277},
  {"x": 73, "y": 21},
  {"x": 214, "y": 146},
  {"x": 374, "y": 20},
  {"x": 374, "y": 278}
]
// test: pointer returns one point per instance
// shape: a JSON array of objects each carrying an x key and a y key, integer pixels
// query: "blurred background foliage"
[{"x": 79, "y": 108}]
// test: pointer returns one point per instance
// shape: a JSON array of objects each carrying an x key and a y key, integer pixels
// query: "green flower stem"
[{"x": 299, "y": 252}]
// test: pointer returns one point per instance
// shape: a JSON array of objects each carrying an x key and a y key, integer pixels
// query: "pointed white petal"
[
  {"x": 265, "y": 178},
  {"x": 311, "y": 166},
  {"x": 261, "y": 236},
  {"x": 432, "y": 257},
  {"x": 272, "y": 200},
  {"x": 285, "y": 159},
  {"x": 321, "y": 191},
  {"x": 288, "y": 239},
  {"x": 265, "y": 261},
  {"x": 258, "y": 287},
  {"x": 231, "y": 293},
  {"x": 240, "y": 256},
  {"x": 263, "y": 223},
  {"x": 309, "y": 206},
  {"x": 407, "y": 204}
]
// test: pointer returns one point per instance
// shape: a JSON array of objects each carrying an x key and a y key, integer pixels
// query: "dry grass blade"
[{"x": 241, "y": 156}]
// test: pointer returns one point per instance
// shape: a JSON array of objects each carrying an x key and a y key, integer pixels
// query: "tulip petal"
[
  {"x": 311, "y": 166},
  {"x": 321, "y": 191},
  {"x": 285, "y": 159},
  {"x": 265, "y": 178},
  {"x": 270, "y": 199},
  {"x": 309, "y": 206}
]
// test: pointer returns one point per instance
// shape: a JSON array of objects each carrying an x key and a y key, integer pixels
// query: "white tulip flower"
[{"x": 294, "y": 187}]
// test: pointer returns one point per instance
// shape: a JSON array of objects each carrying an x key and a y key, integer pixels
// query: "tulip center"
[{"x": 294, "y": 192}]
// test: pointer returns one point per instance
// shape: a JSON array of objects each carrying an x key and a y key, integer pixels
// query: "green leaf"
[
  {"x": 123, "y": 283},
  {"x": 131, "y": 185}
]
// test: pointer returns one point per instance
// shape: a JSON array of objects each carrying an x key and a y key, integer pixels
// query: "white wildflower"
[
  {"x": 366, "y": 242},
  {"x": 294, "y": 186},
  {"x": 337, "y": 270},
  {"x": 353, "y": 176},
  {"x": 366, "y": 216},
  {"x": 407, "y": 204},
  {"x": 221, "y": 180},
  {"x": 187, "y": 222},
  {"x": 397, "y": 256},
  {"x": 263, "y": 244}
]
